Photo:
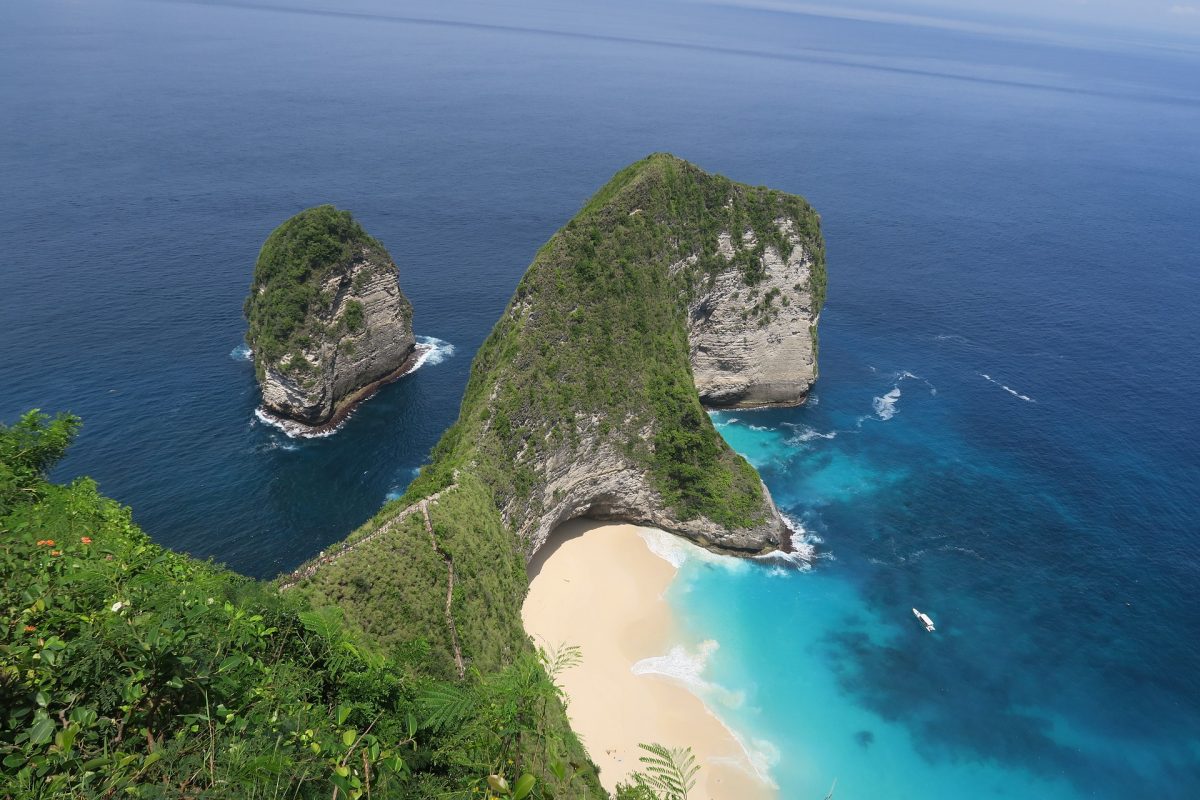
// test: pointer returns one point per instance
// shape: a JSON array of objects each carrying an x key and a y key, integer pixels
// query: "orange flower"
[
  {"x": 85, "y": 539},
  {"x": 56, "y": 552},
  {"x": 30, "y": 629}
]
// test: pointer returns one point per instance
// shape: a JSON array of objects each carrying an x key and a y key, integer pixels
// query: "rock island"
[{"x": 328, "y": 323}]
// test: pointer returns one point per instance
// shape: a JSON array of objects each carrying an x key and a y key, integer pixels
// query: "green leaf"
[
  {"x": 41, "y": 731},
  {"x": 341, "y": 783},
  {"x": 65, "y": 739},
  {"x": 348, "y": 737},
  {"x": 231, "y": 661},
  {"x": 523, "y": 786},
  {"x": 342, "y": 713}
]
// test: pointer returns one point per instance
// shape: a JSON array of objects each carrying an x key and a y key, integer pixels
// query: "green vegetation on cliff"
[
  {"x": 295, "y": 262},
  {"x": 126, "y": 669},
  {"x": 597, "y": 330}
]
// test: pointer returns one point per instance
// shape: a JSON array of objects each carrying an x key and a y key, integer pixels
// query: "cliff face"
[
  {"x": 328, "y": 322},
  {"x": 585, "y": 399},
  {"x": 756, "y": 350}
]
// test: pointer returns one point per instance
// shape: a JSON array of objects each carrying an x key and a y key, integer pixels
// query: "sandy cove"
[{"x": 599, "y": 586}]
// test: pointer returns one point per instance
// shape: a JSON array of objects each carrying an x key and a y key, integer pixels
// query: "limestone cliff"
[
  {"x": 585, "y": 399},
  {"x": 328, "y": 322},
  {"x": 756, "y": 345}
]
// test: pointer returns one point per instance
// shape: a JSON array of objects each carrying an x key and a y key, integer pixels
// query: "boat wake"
[{"x": 1011, "y": 391}]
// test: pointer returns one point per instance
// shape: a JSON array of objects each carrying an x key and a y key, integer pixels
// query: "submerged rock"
[{"x": 328, "y": 322}]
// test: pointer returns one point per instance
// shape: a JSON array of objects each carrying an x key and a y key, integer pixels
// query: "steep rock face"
[
  {"x": 597, "y": 480},
  {"x": 585, "y": 399},
  {"x": 756, "y": 347},
  {"x": 328, "y": 322}
]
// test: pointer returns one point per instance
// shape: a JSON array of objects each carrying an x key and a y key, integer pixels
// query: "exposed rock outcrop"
[
  {"x": 328, "y": 322},
  {"x": 756, "y": 346},
  {"x": 597, "y": 480}
]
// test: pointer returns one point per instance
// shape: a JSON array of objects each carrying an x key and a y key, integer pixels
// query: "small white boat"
[{"x": 924, "y": 619}]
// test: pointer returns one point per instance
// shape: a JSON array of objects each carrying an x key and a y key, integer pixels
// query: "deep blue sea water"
[{"x": 1004, "y": 433}]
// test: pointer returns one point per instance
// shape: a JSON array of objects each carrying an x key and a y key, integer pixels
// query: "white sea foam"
[
  {"x": 430, "y": 350},
  {"x": 885, "y": 405},
  {"x": 438, "y": 351},
  {"x": 241, "y": 353},
  {"x": 295, "y": 430},
  {"x": 1011, "y": 391},
  {"x": 760, "y": 428},
  {"x": 676, "y": 551},
  {"x": 905, "y": 374},
  {"x": 277, "y": 444},
  {"x": 806, "y": 433},
  {"x": 804, "y": 550},
  {"x": 687, "y": 668}
]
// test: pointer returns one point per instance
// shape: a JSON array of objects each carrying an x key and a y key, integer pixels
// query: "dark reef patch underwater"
[{"x": 1012, "y": 221}]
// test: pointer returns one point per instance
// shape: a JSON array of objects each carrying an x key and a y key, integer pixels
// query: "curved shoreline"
[
  {"x": 300, "y": 430},
  {"x": 600, "y": 586}
]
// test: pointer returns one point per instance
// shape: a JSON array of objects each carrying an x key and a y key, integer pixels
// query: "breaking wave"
[
  {"x": 241, "y": 353},
  {"x": 676, "y": 551},
  {"x": 438, "y": 351},
  {"x": 688, "y": 668},
  {"x": 804, "y": 550}
]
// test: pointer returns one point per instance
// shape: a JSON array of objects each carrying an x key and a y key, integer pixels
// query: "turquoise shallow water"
[
  {"x": 1052, "y": 673},
  {"x": 1012, "y": 220}
]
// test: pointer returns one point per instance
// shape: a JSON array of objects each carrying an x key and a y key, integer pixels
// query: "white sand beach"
[{"x": 599, "y": 586}]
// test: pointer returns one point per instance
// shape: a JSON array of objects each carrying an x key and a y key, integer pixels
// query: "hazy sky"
[{"x": 1180, "y": 17}]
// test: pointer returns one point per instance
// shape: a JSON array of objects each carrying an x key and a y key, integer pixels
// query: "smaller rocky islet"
[{"x": 328, "y": 323}]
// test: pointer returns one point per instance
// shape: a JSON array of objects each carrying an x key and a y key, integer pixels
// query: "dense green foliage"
[
  {"x": 128, "y": 669},
  {"x": 293, "y": 265},
  {"x": 595, "y": 340}
]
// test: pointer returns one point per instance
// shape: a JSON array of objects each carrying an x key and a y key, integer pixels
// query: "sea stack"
[
  {"x": 672, "y": 289},
  {"x": 328, "y": 323}
]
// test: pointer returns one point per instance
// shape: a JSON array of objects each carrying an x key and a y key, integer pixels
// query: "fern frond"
[
  {"x": 324, "y": 622},
  {"x": 671, "y": 773},
  {"x": 447, "y": 706},
  {"x": 557, "y": 660}
]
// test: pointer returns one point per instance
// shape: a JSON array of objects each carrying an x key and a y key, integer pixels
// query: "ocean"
[{"x": 1004, "y": 432}]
